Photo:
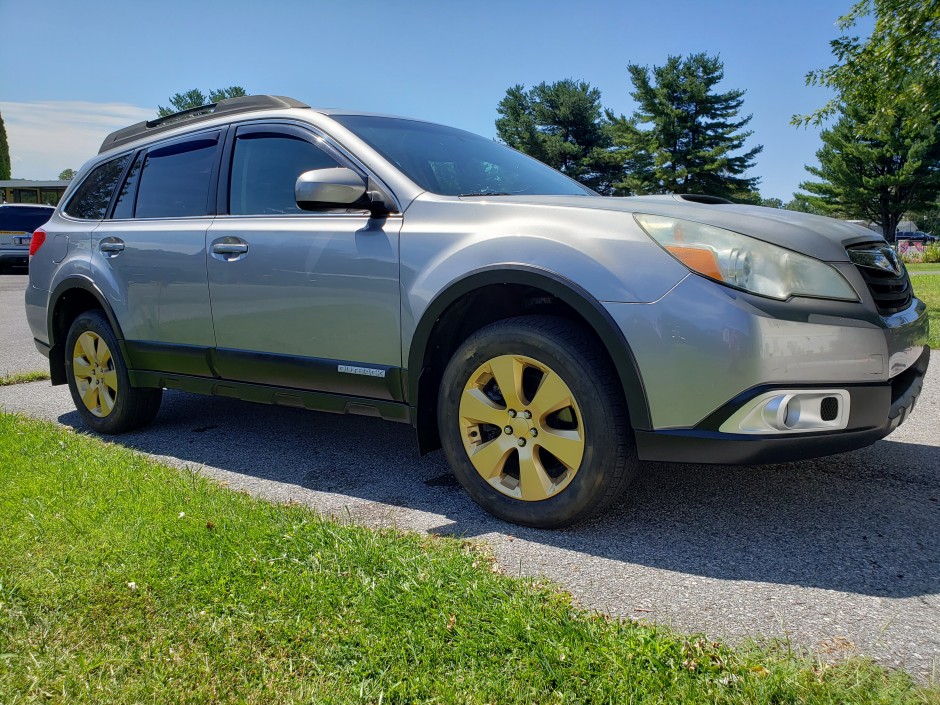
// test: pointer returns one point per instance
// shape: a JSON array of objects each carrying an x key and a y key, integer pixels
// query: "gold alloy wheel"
[
  {"x": 95, "y": 376},
  {"x": 521, "y": 427}
]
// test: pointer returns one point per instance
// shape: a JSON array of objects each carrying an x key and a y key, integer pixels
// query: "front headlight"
[{"x": 744, "y": 262}]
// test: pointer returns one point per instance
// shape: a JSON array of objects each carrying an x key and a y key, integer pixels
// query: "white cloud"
[{"x": 49, "y": 136}]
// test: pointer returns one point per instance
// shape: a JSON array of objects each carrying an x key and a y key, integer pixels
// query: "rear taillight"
[{"x": 39, "y": 237}]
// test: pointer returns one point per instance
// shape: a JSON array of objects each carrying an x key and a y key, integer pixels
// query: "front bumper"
[
  {"x": 876, "y": 411},
  {"x": 704, "y": 351}
]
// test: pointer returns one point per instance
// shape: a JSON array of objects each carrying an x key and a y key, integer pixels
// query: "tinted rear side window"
[
  {"x": 175, "y": 179},
  {"x": 91, "y": 200},
  {"x": 124, "y": 208},
  {"x": 23, "y": 219}
]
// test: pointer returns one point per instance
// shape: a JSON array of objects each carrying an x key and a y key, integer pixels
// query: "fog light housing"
[{"x": 791, "y": 411}]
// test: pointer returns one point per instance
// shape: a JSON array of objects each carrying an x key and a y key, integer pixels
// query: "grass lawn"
[
  {"x": 927, "y": 288},
  {"x": 122, "y": 580},
  {"x": 915, "y": 268}
]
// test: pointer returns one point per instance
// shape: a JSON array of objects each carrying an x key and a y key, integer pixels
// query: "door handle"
[
  {"x": 229, "y": 248},
  {"x": 111, "y": 246}
]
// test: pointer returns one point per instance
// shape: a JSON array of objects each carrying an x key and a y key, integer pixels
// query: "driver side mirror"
[{"x": 338, "y": 187}]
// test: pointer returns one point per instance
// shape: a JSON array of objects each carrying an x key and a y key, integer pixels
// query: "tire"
[
  {"x": 98, "y": 379},
  {"x": 571, "y": 457}
]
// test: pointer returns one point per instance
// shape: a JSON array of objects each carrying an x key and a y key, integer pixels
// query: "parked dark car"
[{"x": 17, "y": 223}]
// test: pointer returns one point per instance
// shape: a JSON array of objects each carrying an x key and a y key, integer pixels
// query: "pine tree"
[
  {"x": 694, "y": 136},
  {"x": 877, "y": 168},
  {"x": 5, "y": 171},
  {"x": 195, "y": 98},
  {"x": 563, "y": 125}
]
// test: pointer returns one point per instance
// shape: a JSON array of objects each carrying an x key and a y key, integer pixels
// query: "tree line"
[{"x": 880, "y": 160}]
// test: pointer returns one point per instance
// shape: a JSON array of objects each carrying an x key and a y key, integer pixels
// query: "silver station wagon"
[{"x": 549, "y": 339}]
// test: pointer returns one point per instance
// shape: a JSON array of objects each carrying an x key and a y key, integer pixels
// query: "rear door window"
[
  {"x": 174, "y": 181},
  {"x": 92, "y": 198}
]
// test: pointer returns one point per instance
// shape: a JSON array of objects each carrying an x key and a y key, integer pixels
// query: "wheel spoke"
[
  {"x": 104, "y": 353},
  {"x": 507, "y": 370},
  {"x": 106, "y": 399},
  {"x": 567, "y": 446},
  {"x": 489, "y": 458},
  {"x": 534, "y": 482},
  {"x": 476, "y": 406},
  {"x": 90, "y": 397},
  {"x": 81, "y": 367},
  {"x": 552, "y": 395},
  {"x": 110, "y": 379},
  {"x": 87, "y": 343}
]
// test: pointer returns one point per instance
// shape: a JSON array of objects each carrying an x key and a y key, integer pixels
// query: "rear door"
[
  {"x": 300, "y": 299},
  {"x": 152, "y": 252}
]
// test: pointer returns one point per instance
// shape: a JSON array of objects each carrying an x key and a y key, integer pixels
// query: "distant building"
[{"x": 29, "y": 191}]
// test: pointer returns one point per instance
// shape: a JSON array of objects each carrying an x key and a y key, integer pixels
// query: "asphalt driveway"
[{"x": 839, "y": 555}]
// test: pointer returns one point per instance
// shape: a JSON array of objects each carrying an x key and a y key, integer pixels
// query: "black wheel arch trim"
[
  {"x": 85, "y": 284},
  {"x": 56, "y": 347},
  {"x": 567, "y": 291}
]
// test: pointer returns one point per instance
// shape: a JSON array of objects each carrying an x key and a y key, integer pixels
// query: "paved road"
[
  {"x": 17, "y": 352},
  {"x": 840, "y": 555}
]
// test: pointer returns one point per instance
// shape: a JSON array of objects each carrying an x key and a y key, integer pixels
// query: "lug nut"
[
  {"x": 522, "y": 441},
  {"x": 533, "y": 432},
  {"x": 512, "y": 413},
  {"x": 508, "y": 430},
  {"x": 527, "y": 414}
]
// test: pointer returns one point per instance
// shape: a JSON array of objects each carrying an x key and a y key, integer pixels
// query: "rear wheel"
[
  {"x": 98, "y": 379},
  {"x": 533, "y": 422}
]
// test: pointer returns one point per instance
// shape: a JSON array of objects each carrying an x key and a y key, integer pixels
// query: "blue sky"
[{"x": 74, "y": 71}]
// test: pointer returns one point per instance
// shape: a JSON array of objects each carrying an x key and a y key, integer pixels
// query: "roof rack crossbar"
[{"x": 203, "y": 112}]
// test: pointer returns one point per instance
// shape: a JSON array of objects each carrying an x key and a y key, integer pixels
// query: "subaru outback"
[{"x": 548, "y": 338}]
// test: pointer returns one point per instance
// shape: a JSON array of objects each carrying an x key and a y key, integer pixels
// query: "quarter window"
[
  {"x": 265, "y": 167},
  {"x": 174, "y": 182},
  {"x": 124, "y": 208},
  {"x": 91, "y": 200}
]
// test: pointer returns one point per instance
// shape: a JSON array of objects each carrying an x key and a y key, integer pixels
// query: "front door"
[{"x": 300, "y": 299}]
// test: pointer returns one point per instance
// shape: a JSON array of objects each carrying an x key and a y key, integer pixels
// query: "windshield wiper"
[{"x": 485, "y": 193}]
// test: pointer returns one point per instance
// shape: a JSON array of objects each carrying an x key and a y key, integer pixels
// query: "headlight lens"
[{"x": 744, "y": 262}]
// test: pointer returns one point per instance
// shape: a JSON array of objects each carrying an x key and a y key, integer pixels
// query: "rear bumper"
[
  {"x": 15, "y": 257},
  {"x": 877, "y": 409}
]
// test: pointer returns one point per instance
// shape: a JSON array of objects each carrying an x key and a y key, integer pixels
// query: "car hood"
[{"x": 813, "y": 235}]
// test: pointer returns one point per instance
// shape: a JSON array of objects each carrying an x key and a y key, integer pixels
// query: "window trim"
[{"x": 213, "y": 174}]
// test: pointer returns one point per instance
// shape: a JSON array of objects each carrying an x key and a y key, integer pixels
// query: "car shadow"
[{"x": 865, "y": 522}]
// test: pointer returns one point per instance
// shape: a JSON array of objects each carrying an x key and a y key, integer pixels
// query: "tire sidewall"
[{"x": 589, "y": 484}]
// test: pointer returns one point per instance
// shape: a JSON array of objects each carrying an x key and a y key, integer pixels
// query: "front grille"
[{"x": 891, "y": 292}]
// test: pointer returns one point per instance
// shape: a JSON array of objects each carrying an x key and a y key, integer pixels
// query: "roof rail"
[{"x": 228, "y": 106}]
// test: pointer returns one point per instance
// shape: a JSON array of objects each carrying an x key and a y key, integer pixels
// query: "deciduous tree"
[{"x": 899, "y": 61}]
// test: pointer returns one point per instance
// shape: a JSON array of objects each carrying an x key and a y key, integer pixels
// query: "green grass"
[
  {"x": 23, "y": 377},
  {"x": 918, "y": 268},
  {"x": 928, "y": 290},
  {"x": 122, "y": 580}
]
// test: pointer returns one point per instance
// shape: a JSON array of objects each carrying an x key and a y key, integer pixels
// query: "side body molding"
[{"x": 563, "y": 289}]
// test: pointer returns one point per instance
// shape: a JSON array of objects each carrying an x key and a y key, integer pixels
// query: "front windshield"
[{"x": 453, "y": 162}]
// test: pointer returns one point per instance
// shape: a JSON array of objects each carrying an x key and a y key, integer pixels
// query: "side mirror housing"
[{"x": 338, "y": 187}]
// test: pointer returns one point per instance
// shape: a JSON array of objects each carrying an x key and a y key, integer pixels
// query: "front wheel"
[
  {"x": 533, "y": 422},
  {"x": 98, "y": 379}
]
